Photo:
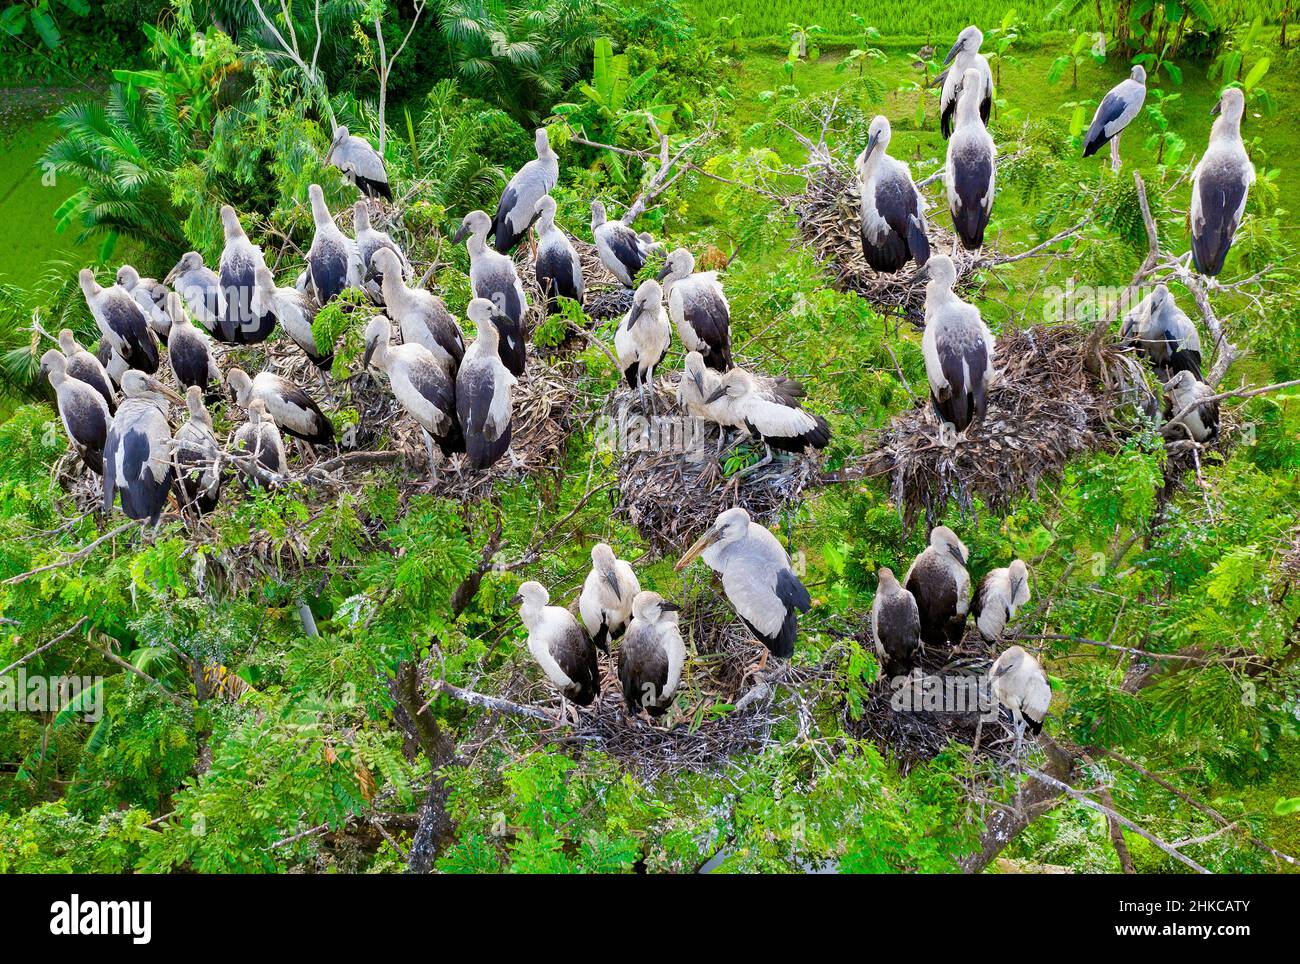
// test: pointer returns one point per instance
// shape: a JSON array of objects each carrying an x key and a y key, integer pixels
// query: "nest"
[
  {"x": 1043, "y": 409},
  {"x": 829, "y": 218},
  {"x": 671, "y": 484}
]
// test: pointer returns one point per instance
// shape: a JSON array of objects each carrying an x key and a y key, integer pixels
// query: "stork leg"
[
  {"x": 433, "y": 463},
  {"x": 1114, "y": 152},
  {"x": 761, "y": 665}
]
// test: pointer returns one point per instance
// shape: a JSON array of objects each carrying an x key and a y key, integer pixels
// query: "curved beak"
[
  {"x": 939, "y": 79},
  {"x": 460, "y": 234},
  {"x": 668, "y": 607},
  {"x": 1217, "y": 109},
  {"x": 871, "y": 146},
  {"x": 329, "y": 155},
  {"x": 667, "y": 270},
  {"x": 956, "y": 48},
  {"x": 171, "y": 275},
  {"x": 956, "y": 554},
  {"x": 611, "y": 579},
  {"x": 516, "y": 599},
  {"x": 165, "y": 392},
  {"x": 371, "y": 345},
  {"x": 717, "y": 393},
  {"x": 634, "y": 315},
  {"x": 702, "y": 543},
  {"x": 698, "y": 378}
]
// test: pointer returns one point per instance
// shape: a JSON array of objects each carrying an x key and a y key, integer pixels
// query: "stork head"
[
  {"x": 531, "y": 596},
  {"x": 652, "y": 607},
  {"x": 54, "y": 366},
  {"x": 257, "y": 412},
  {"x": 542, "y": 142},
  {"x": 67, "y": 341},
  {"x": 194, "y": 405},
  {"x": 128, "y": 277},
  {"x": 1018, "y": 574},
  {"x": 968, "y": 41},
  {"x": 481, "y": 312},
  {"x": 878, "y": 136},
  {"x": 1181, "y": 382},
  {"x": 945, "y": 542},
  {"x": 886, "y": 581},
  {"x": 175, "y": 309},
  {"x": 361, "y": 216},
  {"x": 89, "y": 286},
  {"x": 734, "y": 384},
  {"x": 648, "y": 298},
  {"x": 1138, "y": 73},
  {"x": 136, "y": 384},
  {"x": 378, "y": 331},
  {"x": 476, "y": 224},
  {"x": 1231, "y": 105},
  {"x": 340, "y": 135},
  {"x": 544, "y": 212},
  {"x": 597, "y": 214},
  {"x": 679, "y": 264},
  {"x": 730, "y": 526},
  {"x": 1159, "y": 297},
  {"x": 603, "y": 561},
  {"x": 694, "y": 371},
  {"x": 240, "y": 385},
  {"x": 941, "y": 271},
  {"x": 230, "y": 225},
  {"x": 320, "y": 211},
  {"x": 386, "y": 263},
  {"x": 190, "y": 261}
]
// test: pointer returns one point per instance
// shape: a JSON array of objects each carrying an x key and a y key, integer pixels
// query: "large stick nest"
[
  {"x": 672, "y": 495},
  {"x": 1043, "y": 409},
  {"x": 829, "y": 217}
]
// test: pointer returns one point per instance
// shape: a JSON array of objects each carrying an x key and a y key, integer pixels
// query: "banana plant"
[{"x": 39, "y": 14}]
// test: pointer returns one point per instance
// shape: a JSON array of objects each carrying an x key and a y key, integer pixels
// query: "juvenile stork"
[
  {"x": 85, "y": 367},
  {"x": 969, "y": 172},
  {"x": 771, "y": 412},
  {"x": 200, "y": 287},
  {"x": 895, "y": 625},
  {"x": 151, "y": 295},
  {"x": 332, "y": 260},
  {"x": 137, "y": 453},
  {"x": 651, "y": 658},
  {"x": 1019, "y": 684},
  {"x": 1164, "y": 333},
  {"x": 483, "y": 389},
  {"x": 518, "y": 206},
  {"x": 370, "y": 240},
  {"x": 81, "y": 408},
  {"x": 493, "y": 277},
  {"x": 1201, "y": 423},
  {"x": 642, "y": 338},
  {"x": 360, "y": 162},
  {"x": 122, "y": 323},
  {"x": 260, "y": 438},
  {"x": 189, "y": 349},
  {"x": 422, "y": 385},
  {"x": 696, "y": 385},
  {"x": 893, "y": 210},
  {"x": 558, "y": 269},
  {"x": 1219, "y": 186},
  {"x": 963, "y": 57},
  {"x": 1115, "y": 112},
  {"x": 237, "y": 273},
  {"x": 757, "y": 578},
  {"x": 293, "y": 410},
  {"x": 294, "y": 311},
  {"x": 698, "y": 308},
  {"x": 559, "y": 645},
  {"x": 939, "y": 582},
  {"x": 114, "y": 364},
  {"x": 198, "y": 484},
  {"x": 999, "y": 597},
  {"x": 958, "y": 351},
  {"x": 421, "y": 316},
  {"x": 621, "y": 249},
  {"x": 607, "y": 593}
]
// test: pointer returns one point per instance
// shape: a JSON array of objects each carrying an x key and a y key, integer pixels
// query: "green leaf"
[
  {"x": 1256, "y": 73},
  {"x": 46, "y": 27},
  {"x": 1286, "y": 806}
]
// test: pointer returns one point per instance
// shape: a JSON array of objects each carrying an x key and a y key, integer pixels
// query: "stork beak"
[
  {"x": 953, "y": 52},
  {"x": 923, "y": 272},
  {"x": 516, "y": 599},
  {"x": 165, "y": 392},
  {"x": 171, "y": 275},
  {"x": 667, "y": 270},
  {"x": 370, "y": 350},
  {"x": 698, "y": 378},
  {"x": 329, "y": 155},
  {"x": 717, "y": 393},
  {"x": 939, "y": 79},
  {"x": 460, "y": 234},
  {"x": 1217, "y": 109},
  {"x": 611, "y": 578},
  {"x": 633, "y": 315},
  {"x": 668, "y": 607},
  {"x": 702, "y": 543},
  {"x": 956, "y": 554},
  {"x": 871, "y": 146}
]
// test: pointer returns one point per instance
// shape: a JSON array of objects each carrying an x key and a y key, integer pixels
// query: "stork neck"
[{"x": 1226, "y": 128}]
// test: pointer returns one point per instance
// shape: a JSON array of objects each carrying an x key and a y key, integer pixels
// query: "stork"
[
  {"x": 483, "y": 391},
  {"x": 198, "y": 483},
  {"x": 651, "y": 658},
  {"x": 360, "y": 162},
  {"x": 1019, "y": 683},
  {"x": 518, "y": 206},
  {"x": 237, "y": 272},
  {"x": 1220, "y": 184},
  {"x": 1201, "y": 423},
  {"x": 370, "y": 240},
  {"x": 1117, "y": 109},
  {"x": 1164, "y": 333},
  {"x": 757, "y": 578},
  {"x": 893, "y": 210},
  {"x": 559, "y": 645},
  {"x": 958, "y": 351},
  {"x": 190, "y": 351},
  {"x": 607, "y": 593},
  {"x": 332, "y": 259},
  {"x": 137, "y": 453},
  {"x": 558, "y": 268},
  {"x": 963, "y": 57},
  {"x": 122, "y": 323},
  {"x": 939, "y": 582},
  {"x": 85, "y": 367},
  {"x": 970, "y": 169},
  {"x": 621, "y": 249},
  {"x": 201, "y": 288},
  {"x": 999, "y": 597},
  {"x": 151, "y": 295},
  {"x": 260, "y": 439},
  {"x": 422, "y": 385},
  {"x": 895, "y": 625},
  {"x": 773, "y": 415},
  {"x": 698, "y": 308},
  {"x": 292, "y": 409},
  {"x": 294, "y": 311},
  {"x": 81, "y": 408},
  {"x": 696, "y": 386},
  {"x": 493, "y": 277},
  {"x": 642, "y": 338},
  {"x": 421, "y": 316}
]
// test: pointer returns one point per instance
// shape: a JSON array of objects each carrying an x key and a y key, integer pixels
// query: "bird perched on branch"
[
  {"x": 237, "y": 271},
  {"x": 493, "y": 278},
  {"x": 757, "y": 577},
  {"x": 292, "y": 409},
  {"x": 1162, "y": 330},
  {"x": 1220, "y": 183},
  {"x": 1019, "y": 684},
  {"x": 483, "y": 390},
  {"x": 189, "y": 349},
  {"x": 201, "y": 288},
  {"x": 939, "y": 582},
  {"x": 699, "y": 309},
  {"x": 360, "y": 162},
  {"x": 121, "y": 322},
  {"x": 559, "y": 645},
  {"x": 770, "y": 413},
  {"x": 558, "y": 268},
  {"x": 294, "y": 311},
  {"x": 1201, "y": 423},
  {"x": 621, "y": 249},
  {"x": 85, "y": 367},
  {"x": 998, "y": 597},
  {"x": 333, "y": 263},
  {"x": 137, "y": 453},
  {"x": 971, "y": 169},
  {"x": 651, "y": 657},
  {"x": 607, "y": 593},
  {"x": 260, "y": 438},
  {"x": 151, "y": 295},
  {"x": 518, "y": 205},
  {"x": 1115, "y": 112},
  {"x": 370, "y": 240},
  {"x": 82, "y": 410},
  {"x": 893, "y": 210},
  {"x": 198, "y": 482},
  {"x": 895, "y": 625},
  {"x": 958, "y": 351},
  {"x": 963, "y": 57},
  {"x": 643, "y": 336}
]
